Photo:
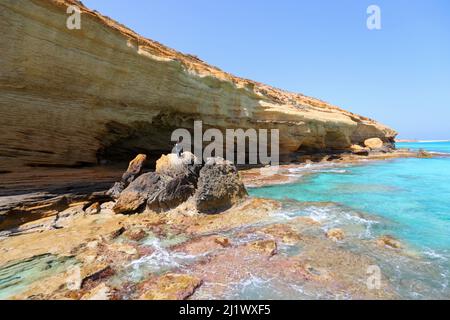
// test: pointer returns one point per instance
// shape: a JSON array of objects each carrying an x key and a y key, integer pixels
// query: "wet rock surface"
[
  {"x": 256, "y": 249},
  {"x": 247, "y": 252},
  {"x": 171, "y": 287},
  {"x": 336, "y": 234}
]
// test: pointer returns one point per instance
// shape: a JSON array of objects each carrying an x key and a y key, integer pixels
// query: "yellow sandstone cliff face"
[{"x": 71, "y": 97}]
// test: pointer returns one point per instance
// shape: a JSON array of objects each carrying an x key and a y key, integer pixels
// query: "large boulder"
[
  {"x": 175, "y": 191},
  {"x": 215, "y": 187},
  {"x": 219, "y": 187},
  {"x": 156, "y": 192},
  {"x": 374, "y": 143},
  {"x": 134, "y": 198}
]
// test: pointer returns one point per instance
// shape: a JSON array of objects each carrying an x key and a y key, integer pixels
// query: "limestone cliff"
[{"x": 73, "y": 97}]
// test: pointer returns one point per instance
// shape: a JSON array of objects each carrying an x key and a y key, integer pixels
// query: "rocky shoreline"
[
  {"x": 181, "y": 250},
  {"x": 29, "y": 195}
]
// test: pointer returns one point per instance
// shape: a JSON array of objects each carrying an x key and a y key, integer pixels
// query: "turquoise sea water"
[
  {"x": 410, "y": 196},
  {"x": 433, "y": 146}
]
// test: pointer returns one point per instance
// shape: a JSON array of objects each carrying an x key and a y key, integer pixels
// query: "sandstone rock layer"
[{"x": 78, "y": 97}]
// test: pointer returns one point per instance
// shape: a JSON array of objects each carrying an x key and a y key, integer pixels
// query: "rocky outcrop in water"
[
  {"x": 80, "y": 97},
  {"x": 214, "y": 188}
]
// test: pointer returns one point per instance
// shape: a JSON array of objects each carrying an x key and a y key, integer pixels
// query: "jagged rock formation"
[
  {"x": 219, "y": 186},
  {"x": 213, "y": 188},
  {"x": 76, "y": 97}
]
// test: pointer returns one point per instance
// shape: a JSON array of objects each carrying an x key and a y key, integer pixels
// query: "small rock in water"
[
  {"x": 135, "y": 234},
  {"x": 224, "y": 242},
  {"x": 124, "y": 248},
  {"x": 94, "y": 272},
  {"x": 336, "y": 234},
  {"x": 305, "y": 221},
  {"x": 268, "y": 247},
  {"x": 283, "y": 232},
  {"x": 390, "y": 242},
  {"x": 115, "y": 234}
]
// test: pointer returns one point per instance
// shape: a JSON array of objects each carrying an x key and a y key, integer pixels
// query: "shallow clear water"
[
  {"x": 16, "y": 277},
  {"x": 410, "y": 196}
]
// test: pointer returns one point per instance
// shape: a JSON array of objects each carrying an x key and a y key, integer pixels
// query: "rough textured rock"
[
  {"x": 76, "y": 97},
  {"x": 134, "y": 170},
  {"x": 135, "y": 197},
  {"x": 282, "y": 232},
  {"x": 374, "y": 143},
  {"x": 171, "y": 287},
  {"x": 267, "y": 247},
  {"x": 335, "y": 234},
  {"x": 135, "y": 234},
  {"x": 389, "y": 242},
  {"x": 219, "y": 186},
  {"x": 173, "y": 193}
]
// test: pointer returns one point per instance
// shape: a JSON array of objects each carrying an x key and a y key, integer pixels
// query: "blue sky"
[{"x": 399, "y": 75}]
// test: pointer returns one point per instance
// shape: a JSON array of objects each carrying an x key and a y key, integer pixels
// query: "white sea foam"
[
  {"x": 255, "y": 287},
  {"x": 433, "y": 254},
  {"x": 160, "y": 259},
  {"x": 334, "y": 171},
  {"x": 316, "y": 168},
  {"x": 333, "y": 217}
]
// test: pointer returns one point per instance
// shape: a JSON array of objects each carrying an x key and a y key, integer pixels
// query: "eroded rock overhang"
[{"x": 75, "y": 97}]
